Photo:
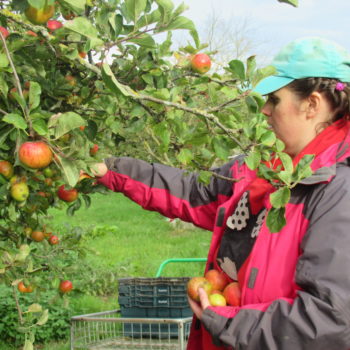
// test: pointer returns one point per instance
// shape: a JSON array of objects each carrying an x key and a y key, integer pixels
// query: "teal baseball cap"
[{"x": 306, "y": 58}]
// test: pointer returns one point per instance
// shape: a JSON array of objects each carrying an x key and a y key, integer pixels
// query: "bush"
[{"x": 56, "y": 328}]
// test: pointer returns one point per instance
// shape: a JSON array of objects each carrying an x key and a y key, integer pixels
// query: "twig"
[
  {"x": 20, "y": 317},
  {"x": 195, "y": 111},
  {"x": 18, "y": 86}
]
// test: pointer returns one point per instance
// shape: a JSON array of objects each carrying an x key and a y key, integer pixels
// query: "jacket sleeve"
[
  {"x": 167, "y": 190},
  {"x": 319, "y": 316}
]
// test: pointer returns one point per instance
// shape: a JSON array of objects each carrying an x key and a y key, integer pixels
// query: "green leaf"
[
  {"x": 165, "y": 7},
  {"x": 134, "y": 8},
  {"x": 280, "y": 197},
  {"x": 35, "y": 308},
  {"x": 65, "y": 122},
  {"x": 221, "y": 148},
  {"x": 40, "y": 126},
  {"x": 39, "y": 4},
  {"x": 144, "y": 40},
  {"x": 112, "y": 83},
  {"x": 237, "y": 68},
  {"x": 276, "y": 220},
  {"x": 253, "y": 159},
  {"x": 285, "y": 177},
  {"x": 185, "y": 156},
  {"x": 83, "y": 26},
  {"x": 76, "y": 5},
  {"x": 148, "y": 19},
  {"x": 205, "y": 176},
  {"x": 4, "y": 62},
  {"x": 162, "y": 131},
  {"x": 180, "y": 23},
  {"x": 290, "y": 2},
  {"x": 3, "y": 86},
  {"x": 43, "y": 318},
  {"x": 70, "y": 171},
  {"x": 287, "y": 162},
  {"x": 16, "y": 120},
  {"x": 34, "y": 95}
]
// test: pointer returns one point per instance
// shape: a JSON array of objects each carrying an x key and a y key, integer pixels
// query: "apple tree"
[{"x": 84, "y": 79}]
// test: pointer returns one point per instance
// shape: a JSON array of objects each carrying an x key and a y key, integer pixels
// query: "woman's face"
[{"x": 286, "y": 114}]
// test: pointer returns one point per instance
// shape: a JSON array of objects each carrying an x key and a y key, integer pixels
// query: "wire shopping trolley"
[{"x": 154, "y": 314}]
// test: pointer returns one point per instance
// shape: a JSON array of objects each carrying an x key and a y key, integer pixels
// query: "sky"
[{"x": 273, "y": 24}]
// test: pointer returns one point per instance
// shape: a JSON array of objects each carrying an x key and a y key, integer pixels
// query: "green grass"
[{"x": 134, "y": 242}]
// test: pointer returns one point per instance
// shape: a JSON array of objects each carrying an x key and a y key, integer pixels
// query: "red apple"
[
  {"x": 53, "y": 240},
  {"x": 5, "y": 33},
  {"x": 31, "y": 33},
  {"x": 53, "y": 25},
  {"x": 35, "y": 155},
  {"x": 217, "y": 279},
  {"x": 93, "y": 149},
  {"x": 65, "y": 286},
  {"x": 216, "y": 299},
  {"x": 232, "y": 294},
  {"x": 67, "y": 195},
  {"x": 201, "y": 63},
  {"x": 197, "y": 282},
  {"x": 6, "y": 169}
]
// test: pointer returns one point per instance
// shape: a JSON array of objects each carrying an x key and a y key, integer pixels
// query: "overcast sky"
[{"x": 274, "y": 24}]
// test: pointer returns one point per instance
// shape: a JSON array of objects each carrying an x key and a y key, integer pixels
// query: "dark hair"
[{"x": 339, "y": 100}]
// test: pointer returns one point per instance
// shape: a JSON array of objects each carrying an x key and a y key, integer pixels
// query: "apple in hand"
[
  {"x": 218, "y": 279},
  {"x": 232, "y": 294},
  {"x": 201, "y": 63},
  {"x": 198, "y": 282},
  {"x": 217, "y": 299}
]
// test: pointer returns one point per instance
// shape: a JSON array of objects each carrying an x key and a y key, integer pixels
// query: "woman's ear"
[{"x": 314, "y": 104}]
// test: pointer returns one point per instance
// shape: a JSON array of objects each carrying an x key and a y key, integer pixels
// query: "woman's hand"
[
  {"x": 99, "y": 169},
  {"x": 198, "y": 308}
]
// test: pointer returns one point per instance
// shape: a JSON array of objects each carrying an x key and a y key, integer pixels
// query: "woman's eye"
[{"x": 273, "y": 100}]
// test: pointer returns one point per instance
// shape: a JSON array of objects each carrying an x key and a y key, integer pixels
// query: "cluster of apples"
[
  {"x": 217, "y": 285},
  {"x": 65, "y": 286},
  {"x": 34, "y": 155}
]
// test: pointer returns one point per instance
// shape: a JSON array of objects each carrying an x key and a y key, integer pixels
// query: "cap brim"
[{"x": 271, "y": 84}]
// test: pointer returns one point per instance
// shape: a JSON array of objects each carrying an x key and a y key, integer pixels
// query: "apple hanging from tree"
[
  {"x": 201, "y": 63},
  {"x": 53, "y": 239},
  {"x": 4, "y": 32},
  {"x": 53, "y": 25},
  {"x": 6, "y": 169},
  {"x": 65, "y": 286},
  {"x": 94, "y": 149},
  {"x": 35, "y": 154},
  {"x": 37, "y": 236},
  {"x": 19, "y": 191},
  {"x": 67, "y": 195}
]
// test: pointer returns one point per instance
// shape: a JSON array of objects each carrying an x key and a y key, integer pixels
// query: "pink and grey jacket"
[{"x": 296, "y": 284}]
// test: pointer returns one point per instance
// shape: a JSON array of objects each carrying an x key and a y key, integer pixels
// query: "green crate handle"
[{"x": 165, "y": 262}]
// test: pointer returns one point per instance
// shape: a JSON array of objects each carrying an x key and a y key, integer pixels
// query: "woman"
[{"x": 295, "y": 283}]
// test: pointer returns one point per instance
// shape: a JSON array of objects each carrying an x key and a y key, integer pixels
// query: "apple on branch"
[{"x": 201, "y": 63}]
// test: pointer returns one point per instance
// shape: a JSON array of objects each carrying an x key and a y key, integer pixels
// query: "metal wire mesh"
[{"x": 107, "y": 331}]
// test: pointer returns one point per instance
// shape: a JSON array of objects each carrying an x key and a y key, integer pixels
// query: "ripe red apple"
[
  {"x": 217, "y": 279},
  {"x": 217, "y": 299},
  {"x": 197, "y": 282},
  {"x": 6, "y": 169},
  {"x": 53, "y": 25},
  {"x": 82, "y": 54},
  {"x": 35, "y": 155},
  {"x": 65, "y": 286},
  {"x": 53, "y": 240},
  {"x": 232, "y": 294},
  {"x": 94, "y": 149},
  {"x": 39, "y": 16},
  {"x": 69, "y": 195},
  {"x": 5, "y": 33},
  {"x": 23, "y": 288},
  {"x": 19, "y": 191},
  {"x": 201, "y": 63}
]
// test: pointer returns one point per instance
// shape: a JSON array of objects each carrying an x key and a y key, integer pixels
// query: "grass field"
[{"x": 130, "y": 241}]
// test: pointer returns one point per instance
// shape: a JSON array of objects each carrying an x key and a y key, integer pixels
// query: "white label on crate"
[
  {"x": 162, "y": 301},
  {"x": 162, "y": 290}
]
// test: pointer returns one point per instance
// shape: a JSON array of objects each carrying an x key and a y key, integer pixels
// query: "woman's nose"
[{"x": 266, "y": 110}]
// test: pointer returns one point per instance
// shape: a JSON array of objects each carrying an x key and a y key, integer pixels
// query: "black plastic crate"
[{"x": 162, "y": 297}]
